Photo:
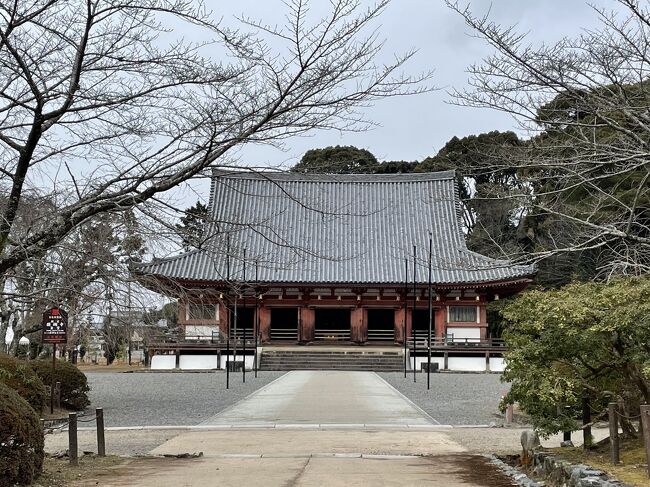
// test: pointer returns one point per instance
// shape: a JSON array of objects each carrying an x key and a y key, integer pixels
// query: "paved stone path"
[
  {"x": 325, "y": 398},
  {"x": 374, "y": 436}
]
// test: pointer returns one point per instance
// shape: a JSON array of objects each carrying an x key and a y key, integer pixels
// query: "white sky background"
[{"x": 412, "y": 128}]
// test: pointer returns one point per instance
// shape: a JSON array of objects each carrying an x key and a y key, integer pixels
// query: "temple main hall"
[{"x": 308, "y": 259}]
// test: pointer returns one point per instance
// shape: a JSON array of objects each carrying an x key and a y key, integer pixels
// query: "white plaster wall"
[
  {"x": 163, "y": 362},
  {"x": 249, "y": 361},
  {"x": 475, "y": 364},
  {"x": 198, "y": 362},
  {"x": 423, "y": 360},
  {"x": 193, "y": 331},
  {"x": 497, "y": 364},
  {"x": 460, "y": 333}
]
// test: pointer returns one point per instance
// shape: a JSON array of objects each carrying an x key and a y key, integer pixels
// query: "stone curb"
[
  {"x": 514, "y": 473},
  {"x": 281, "y": 426},
  {"x": 558, "y": 471},
  {"x": 247, "y": 456},
  {"x": 551, "y": 466}
]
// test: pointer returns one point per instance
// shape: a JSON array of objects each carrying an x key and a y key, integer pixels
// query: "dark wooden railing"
[
  {"x": 448, "y": 342},
  {"x": 286, "y": 334},
  {"x": 203, "y": 342},
  {"x": 381, "y": 335},
  {"x": 334, "y": 335},
  {"x": 240, "y": 334}
]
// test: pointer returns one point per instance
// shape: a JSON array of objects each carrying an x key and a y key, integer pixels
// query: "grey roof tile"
[{"x": 307, "y": 228}]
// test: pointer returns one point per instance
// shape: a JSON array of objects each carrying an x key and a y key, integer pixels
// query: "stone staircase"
[{"x": 314, "y": 359}]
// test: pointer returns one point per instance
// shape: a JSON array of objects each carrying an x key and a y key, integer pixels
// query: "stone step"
[
  {"x": 264, "y": 366},
  {"x": 356, "y": 369},
  {"x": 331, "y": 355},
  {"x": 392, "y": 361},
  {"x": 334, "y": 359}
]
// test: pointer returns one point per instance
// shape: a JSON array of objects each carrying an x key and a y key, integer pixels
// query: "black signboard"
[{"x": 55, "y": 326}]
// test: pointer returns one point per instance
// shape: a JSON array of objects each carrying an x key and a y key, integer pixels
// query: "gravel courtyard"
[
  {"x": 455, "y": 399},
  {"x": 173, "y": 399},
  {"x": 168, "y": 399}
]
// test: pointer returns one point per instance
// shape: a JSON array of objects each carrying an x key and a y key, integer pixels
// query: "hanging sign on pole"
[
  {"x": 55, "y": 330},
  {"x": 55, "y": 326}
]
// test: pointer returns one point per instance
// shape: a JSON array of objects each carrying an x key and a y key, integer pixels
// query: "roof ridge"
[{"x": 271, "y": 175}]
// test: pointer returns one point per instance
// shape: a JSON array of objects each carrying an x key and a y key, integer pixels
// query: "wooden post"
[
  {"x": 101, "y": 442},
  {"x": 53, "y": 376},
  {"x": 567, "y": 434},
  {"x": 57, "y": 394},
  {"x": 228, "y": 361},
  {"x": 645, "y": 423},
  {"x": 72, "y": 439},
  {"x": 613, "y": 432},
  {"x": 586, "y": 419}
]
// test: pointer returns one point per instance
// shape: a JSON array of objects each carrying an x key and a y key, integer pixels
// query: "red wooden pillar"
[
  {"x": 359, "y": 325},
  {"x": 307, "y": 323},
  {"x": 265, "y": 322},
  {"x": 399, "y": 325},
  {"x": 409, "y": 322},
  {"x": 440, "y": 319},
  {"x": 224, "y": 319}
]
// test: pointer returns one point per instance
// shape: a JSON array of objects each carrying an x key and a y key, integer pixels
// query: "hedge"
[
  {"x": 74, "y": 384},
  {"x": 21, "y": 440},
  {"x": 18, "y": 375}
]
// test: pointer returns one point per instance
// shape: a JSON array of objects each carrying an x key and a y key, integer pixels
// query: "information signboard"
[{"x": 55, "y": 326}]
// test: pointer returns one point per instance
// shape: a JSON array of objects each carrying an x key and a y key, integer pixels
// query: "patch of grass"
[
  {"x": 632, "y": 469},
  {"x": 57, "y": 472}
]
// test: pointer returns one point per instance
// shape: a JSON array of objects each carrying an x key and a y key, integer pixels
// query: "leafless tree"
[
  {"x": 103, "y": 109},
  {"x": 75, "y": 273},
  {"x": 585, "y": 103}
]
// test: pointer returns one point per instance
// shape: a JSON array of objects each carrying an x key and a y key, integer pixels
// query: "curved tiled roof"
[{"x": 334, "y": 229}]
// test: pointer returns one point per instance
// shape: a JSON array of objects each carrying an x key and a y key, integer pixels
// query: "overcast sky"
[{"x": 411, "y": 128}]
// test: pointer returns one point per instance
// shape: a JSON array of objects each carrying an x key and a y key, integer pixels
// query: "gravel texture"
[
  {"x": 129, "y": 442},
  {"x": 167, "y": 399},
  {"x": 454, "y": 399}
]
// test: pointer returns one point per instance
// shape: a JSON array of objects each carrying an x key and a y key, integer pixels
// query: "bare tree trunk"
[
  {"x": 5, "y": 317},
  {"x": 18, "y": 334}
]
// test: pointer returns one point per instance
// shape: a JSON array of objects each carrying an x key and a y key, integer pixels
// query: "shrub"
[
  {"x": 21, "y": 440},
  {"x": 18, "y": 375},
  {"x": 74, "y": 385}
]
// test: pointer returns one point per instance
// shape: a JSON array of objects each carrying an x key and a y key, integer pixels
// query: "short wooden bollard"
[
  {"x": 73, "y": 446},
  {"x": 101, "y": 443},
  {"x": 645, "y": 421},
  {"x": 613, "y": 432}
]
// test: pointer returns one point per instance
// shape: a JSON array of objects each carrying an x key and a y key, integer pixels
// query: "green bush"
[
  {"x": 21, "y": 440},
  {"x": 74, "y": 385},
  {"x": 18, "y": 375}
]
